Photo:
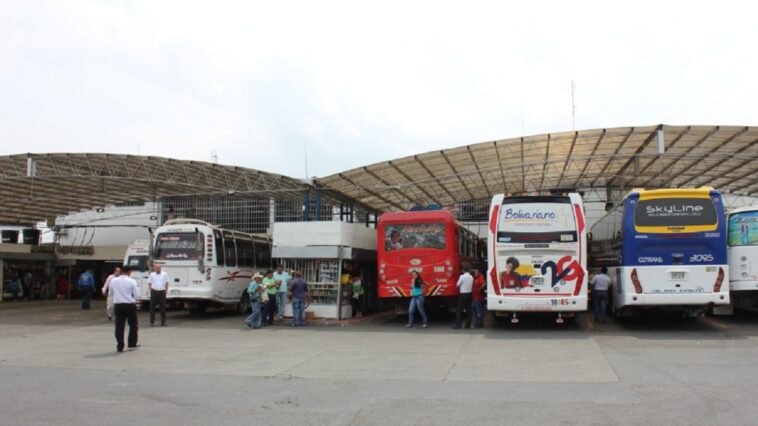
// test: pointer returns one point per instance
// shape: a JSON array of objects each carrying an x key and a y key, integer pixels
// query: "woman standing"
[
  {"x": 357, "y": 299},
  {"x": 417, "y": 299}
]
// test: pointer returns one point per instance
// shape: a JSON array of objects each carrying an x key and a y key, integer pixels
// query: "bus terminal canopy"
[
  {"x": 622, "y": 158},
  {"x": 36, "y": 187}
]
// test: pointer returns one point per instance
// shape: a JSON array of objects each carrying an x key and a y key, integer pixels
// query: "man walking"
[
  {"x": 282, "y": 280},
  {"x": 86, "y": 287},
  {"x": 600, "y": 284},
  {"x": 109, "y": 294},
  {"x": 465, "y": 285},
  {"x": 300, "y": 298},
  {"x": 478, "y": 296},
  {"x": 271, "y": 287},
  {"x": 158, "y": 284},
  {"x": 125, "y": 307},
  {"x": 254, "y": 290}
]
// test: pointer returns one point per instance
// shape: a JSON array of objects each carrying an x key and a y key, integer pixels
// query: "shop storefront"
[
  {"x": 32, "y": 272},
  {"x": 328, "y": 253}
]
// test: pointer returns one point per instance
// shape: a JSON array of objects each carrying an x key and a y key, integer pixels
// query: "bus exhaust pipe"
[
  {"x": 514, "y": 319},
  {"x": 559, "y": 319}
]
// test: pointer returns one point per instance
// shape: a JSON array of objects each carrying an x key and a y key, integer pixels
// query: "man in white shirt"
[
  {"x": 465, "y": 285},
  {"x": 124, "y": 291},
  {"x": 158, "y": 283},
  {"x": 109, "y": 294},
  {"x": 600, "y": 284}
]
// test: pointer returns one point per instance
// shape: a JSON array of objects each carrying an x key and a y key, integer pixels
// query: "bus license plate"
[
  {"x": 678, "y": 276},
  {"x": 538, "y": 280}
]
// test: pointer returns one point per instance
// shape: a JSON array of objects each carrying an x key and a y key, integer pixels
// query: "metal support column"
[
  {"x": 318, "y": 204},
  {"x": 306, "y": 206},
  {"x": 339, "y": 284}
]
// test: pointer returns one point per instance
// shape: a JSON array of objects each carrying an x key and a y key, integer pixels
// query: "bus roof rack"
[{"x": 186, "y": 222}]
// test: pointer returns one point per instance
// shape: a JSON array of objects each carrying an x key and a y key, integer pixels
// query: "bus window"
[
  {"x": 219, "y": 248},
  {"x": 262, "y": 255},
  {"x": 667, "y": 212},
  {"x": 137, "y": 263},
  {"x": 245, "y": 252},
  {"x": 526, "y": 222},
  {"x": 230, "y": 251},
  {"x": 178, "y": 246},
  {"x": 743, "y": 229},
  {"x": 417, "y": 235}
]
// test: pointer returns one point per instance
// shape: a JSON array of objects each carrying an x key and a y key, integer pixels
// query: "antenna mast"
[{"x": 573, "y": 106}]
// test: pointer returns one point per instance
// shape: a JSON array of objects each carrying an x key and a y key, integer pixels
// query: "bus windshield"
[
  {"x": 743, "y": 229},
  {"x": 536, "y": 222},
  {"x": 675, "y": 212},
  {"x": 178, "y": 246},
  {"x": 137, "y": 263},
  {"x": 414, "y": 235}
]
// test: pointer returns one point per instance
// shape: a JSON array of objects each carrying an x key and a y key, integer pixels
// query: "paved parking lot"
[{"x": 58, "y": 365}]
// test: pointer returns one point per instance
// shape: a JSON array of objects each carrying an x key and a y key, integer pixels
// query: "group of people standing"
[
  {"x": 472, "y": 292},
  {"x": 268, "y": 297}
]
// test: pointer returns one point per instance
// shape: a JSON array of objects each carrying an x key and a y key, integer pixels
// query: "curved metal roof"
[
  {"x": 623, "y": 158},
  {"x": 41, "y": 186}
]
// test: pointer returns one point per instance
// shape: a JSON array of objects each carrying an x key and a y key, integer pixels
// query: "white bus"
[
  {"x": 743, "y": 257},
  {"x": 137, "y": 257},
  {"x": 209, "y": 266},
  {"x": 664, "y": 249},
  {"x": 537, "y": 251}
]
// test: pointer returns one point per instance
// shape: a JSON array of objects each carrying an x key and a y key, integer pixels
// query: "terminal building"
[{"x": 63, "y": 213}]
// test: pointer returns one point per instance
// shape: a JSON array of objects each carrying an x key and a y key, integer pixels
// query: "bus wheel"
[
  {"x": 243, "y": 307},
  {"x": 198, "y": 309}
]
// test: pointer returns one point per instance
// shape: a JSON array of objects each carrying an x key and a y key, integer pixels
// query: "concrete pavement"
[{"x": 58, "y": 365}]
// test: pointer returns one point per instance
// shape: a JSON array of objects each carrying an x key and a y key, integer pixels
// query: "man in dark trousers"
[
  {"x": 465, "y": 286},
  {"x": 124, "y": 290},
  {"x": 158, "y": 284}
]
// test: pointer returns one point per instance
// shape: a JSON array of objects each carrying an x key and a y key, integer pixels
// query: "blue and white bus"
[
  {"x": 743, "y": 257},
  {"x": 665, "y": 248}
]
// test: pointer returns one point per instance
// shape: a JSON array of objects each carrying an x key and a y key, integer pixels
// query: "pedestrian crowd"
[{"x": 269, "y": 294}]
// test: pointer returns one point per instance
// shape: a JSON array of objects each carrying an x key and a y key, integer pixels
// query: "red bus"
[{"x": 430, "y": 242}]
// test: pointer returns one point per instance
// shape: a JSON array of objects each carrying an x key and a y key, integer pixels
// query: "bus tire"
[{"x": 243, "y": 307}]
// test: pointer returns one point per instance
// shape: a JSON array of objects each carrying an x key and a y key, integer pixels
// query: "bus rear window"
[
  {"x": 743, "y": 229},
  {"x": 137, "y": 263},
  {"x": 178, "y": 246},
  {"x": 675, "y": 212},
  {"x": 525, "y": 222},
  {"x": 414, "y": 235}
]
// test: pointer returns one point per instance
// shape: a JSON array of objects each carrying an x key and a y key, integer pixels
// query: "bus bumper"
[
  {"x": 662, "y": 300},
  {"x": 537, "y": 304}
]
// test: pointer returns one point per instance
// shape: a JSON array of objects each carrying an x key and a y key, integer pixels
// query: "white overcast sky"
[{"x": 358, "y": 82}]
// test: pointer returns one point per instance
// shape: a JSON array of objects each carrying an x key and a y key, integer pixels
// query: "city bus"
[
  {"x": 209, "y": 266},
  {"x": 537, "y": 251},
  {"x": 743, "y": 257},
  {"x": 665, "y": 249},
  {"x": 429, "y": 242}
]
